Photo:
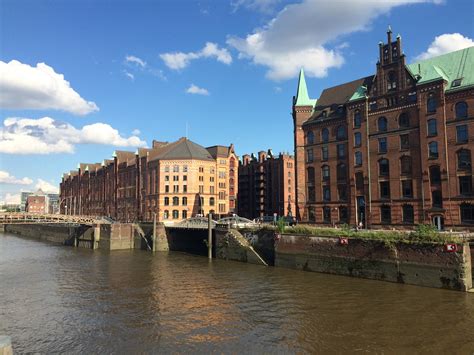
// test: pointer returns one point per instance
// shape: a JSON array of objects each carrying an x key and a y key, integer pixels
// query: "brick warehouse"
[
  {"x": 174, "y": 180},
  {"x": 391, "y": 149},
  {"x": 266, "y": 185}
]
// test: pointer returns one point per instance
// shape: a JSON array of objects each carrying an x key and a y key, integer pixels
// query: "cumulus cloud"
[
  {"x": 26, "y": 87},
  {"x": 6, "y": 178},
  {"x": 135, "y": 60},
  {"x": 196, "y": 90},
  {"x": 180, "y": 60},
  {"x": 47, "y": 187},
  {"x": 300, "y": 35},
  {"x": 46, "y": 136},
  {"x": 11, "y": 199},
  {"x": 445, "y": 43}
]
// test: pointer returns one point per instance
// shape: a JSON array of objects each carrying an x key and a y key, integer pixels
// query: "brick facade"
[
  {"x": 174, "y": 180},
  {"x": 266, "y": 185},
  {"x": 363, "y": 150}
]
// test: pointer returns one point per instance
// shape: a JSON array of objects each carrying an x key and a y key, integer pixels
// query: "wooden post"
[
  {"x": 209, "y": 236},
  {"x": 154, "y": 232}
]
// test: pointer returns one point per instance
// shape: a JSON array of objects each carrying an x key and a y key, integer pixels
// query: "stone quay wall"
[
  {"x": 55, "y": 233},
  {"x": 416, "y": 264}
]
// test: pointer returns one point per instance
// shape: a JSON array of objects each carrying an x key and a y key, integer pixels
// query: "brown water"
[{"x": 56, "y": 299}]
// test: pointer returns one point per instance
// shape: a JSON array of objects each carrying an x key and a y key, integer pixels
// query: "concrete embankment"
[
  {"x": 417, "y": 264},
  {"x": 105, "y": 236}
]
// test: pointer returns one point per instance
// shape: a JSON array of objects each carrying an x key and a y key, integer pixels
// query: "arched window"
[
  {"x": 341, "y": 133},
  {"x": 464, "y": 159},
  {"x": 404, "y": 120},
  {"x": 184, "y": 214},
  {"x": 341, "y": 172},
  {"x": 431, "y": 103},
  {"x": 405, "y": 165},
  {"x": 311, "y": 175},
  {"x": 382, "y": 124},
  {"x": 433, "y": 150},
  {"x": 167, "y": 201},
  {"x": 175, "y": 214},
  {"x": 184, "y": 201},
  {"x": 325, "y": 173},
  {"x": 461, "y": 109},
  {"x": 166, "y": 214},
  {"x": 384, "y": 168},
  {"x": 325, "y": 135},
  {"x": 391, "y": 80},
  {"x": 408, "y": 214},
  {"x": 212, "y": 201},
  {"x": 357, "y": 119},
  {"x": 435, "y": 175},
  {"x": 175, "y": 201},
  {"x": 310, "y": 138}
]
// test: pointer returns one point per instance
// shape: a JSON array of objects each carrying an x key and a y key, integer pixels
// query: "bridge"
[
  {"x": 31, "y": 218},
  {"x": 203, "y": 223}
]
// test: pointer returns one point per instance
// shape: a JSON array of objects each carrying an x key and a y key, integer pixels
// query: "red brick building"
[
  {"x": 266, "y": 185},
  {"x": 391, "y": 149},
  {"x": 172, "y": 180},
  {"x": 37, "y": 203}
]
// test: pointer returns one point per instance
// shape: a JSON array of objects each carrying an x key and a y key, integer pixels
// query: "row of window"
[
  {"x": 460, "y": 108},
  {"x": 341, "y": 134},
  {"x": 463, "y": 163},
  {"x": 184, "y": 201}
]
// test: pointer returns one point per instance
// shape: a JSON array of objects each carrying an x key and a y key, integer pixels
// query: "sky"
[{"x": 80, "y": 79}]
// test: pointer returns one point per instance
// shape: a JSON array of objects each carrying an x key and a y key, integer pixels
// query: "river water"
[{"x": 57, "y": 299}]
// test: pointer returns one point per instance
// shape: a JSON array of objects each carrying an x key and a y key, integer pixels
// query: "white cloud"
[
  {"x": 6, "y": 178},
  {"x": 180, "y": 60},
  {"x": 129, "y": 75},
  {"x": 445, "y": 43},
  {"x": 26, "y": 87},
  {"x": 46, "y": 136},
  {"x": 264, "y": 6},
  {"x": 47, "y": 187},
  {"x": 300, "y": 34},
  {"x": 135, "y": 60},
  {"x": 136, "y": 132},
  {"x": 194, "y": 89},
  {"x": 11, "y": 199}
]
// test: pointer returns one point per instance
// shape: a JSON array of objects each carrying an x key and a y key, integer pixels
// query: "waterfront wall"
[
  {"x": 55, "y": 233},
  {"x": 117, "y": 236},
  {"x": 230, "y": 244},
  {"x": 416, "y": 264}
]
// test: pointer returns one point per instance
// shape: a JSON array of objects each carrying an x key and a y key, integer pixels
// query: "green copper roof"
[
  {"x": 360, "y": 93},
  {"x": 450, "y": 66},
  {"x": 302, "y": 97}
]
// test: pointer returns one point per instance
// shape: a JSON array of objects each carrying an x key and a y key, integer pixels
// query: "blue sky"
[{"x": 134, "y": 71}]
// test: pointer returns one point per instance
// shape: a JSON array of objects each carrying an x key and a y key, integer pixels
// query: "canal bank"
[
  {"x": 422, "y": 264},
  {"x": 58, "y": 300}
]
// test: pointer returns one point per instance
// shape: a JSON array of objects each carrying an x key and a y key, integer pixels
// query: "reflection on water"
[{"x": 61, "y": 299}]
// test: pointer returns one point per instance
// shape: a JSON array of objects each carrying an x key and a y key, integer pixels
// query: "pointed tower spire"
[{"x": 302, "y": 97}]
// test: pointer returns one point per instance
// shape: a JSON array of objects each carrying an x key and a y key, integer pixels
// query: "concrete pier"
[{"x": 5, "y": 345}]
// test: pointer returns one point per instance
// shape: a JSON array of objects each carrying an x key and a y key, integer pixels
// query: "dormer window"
[{"x": 456, "y": 83}]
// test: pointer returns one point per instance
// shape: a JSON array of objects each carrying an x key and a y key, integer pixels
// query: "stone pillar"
[
  {"x": 96, "y": 236},
  {"x": 5, "y": 345}
]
